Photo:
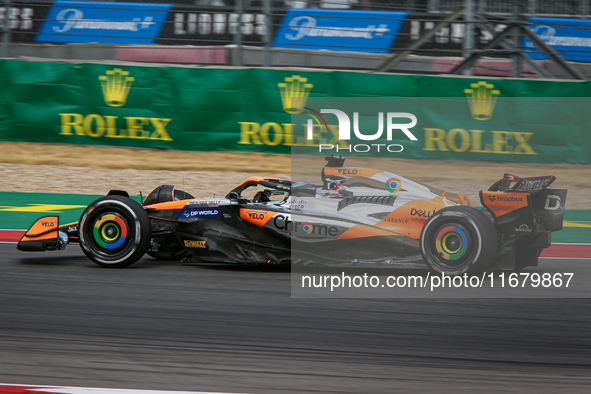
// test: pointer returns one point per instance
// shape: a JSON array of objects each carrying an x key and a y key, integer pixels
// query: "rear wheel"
[
  {"x": 458, "y": 240},
  {"x": 114, "y": 231}
]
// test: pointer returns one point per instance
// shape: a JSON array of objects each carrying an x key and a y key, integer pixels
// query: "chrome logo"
[
  {"x": 451, "y": 242},
  {"x": 393, "y": 185},
  {"x": 307, "y": 227},
  {"x": 110, "y": 231}
]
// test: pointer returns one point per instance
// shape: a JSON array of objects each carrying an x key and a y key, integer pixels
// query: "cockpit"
[{"x": 261, "y": 190}]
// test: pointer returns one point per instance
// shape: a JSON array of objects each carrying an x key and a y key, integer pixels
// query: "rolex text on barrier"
[{"x": 115, "y": 84}]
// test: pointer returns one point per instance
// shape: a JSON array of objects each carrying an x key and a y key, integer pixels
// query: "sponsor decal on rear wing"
[{"x": 533, "y": 184}]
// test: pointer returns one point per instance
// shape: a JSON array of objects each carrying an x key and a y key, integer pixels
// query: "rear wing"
[
  {"x": 513, "y": 183},
  {"x": 525, "y": 206}
]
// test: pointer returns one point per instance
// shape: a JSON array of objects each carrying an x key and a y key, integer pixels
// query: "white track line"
[{"x": 88, "y": 390}]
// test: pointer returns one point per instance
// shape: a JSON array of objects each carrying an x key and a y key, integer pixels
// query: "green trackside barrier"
[
  {"x": 577, "y": 227},
  {"x": 18, "y": 211},
  {"x": 206, "y": 109}
]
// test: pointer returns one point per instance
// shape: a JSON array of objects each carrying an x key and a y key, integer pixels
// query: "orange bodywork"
[
  {"x": 410, "y": 218},
  {"x": 169, "y": 205},
  {"x": 501, "y": 203},
  {"x": 458, "y": 198},
  {"x": 43, "y": 228},
  {"x": 256, "y": 216},
  {"x": 69, "y": 224},
  {"x": 351, "y": 171},
  {"x": 255, "y": 179}
]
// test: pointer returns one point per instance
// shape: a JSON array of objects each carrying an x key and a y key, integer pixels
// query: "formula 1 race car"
[{"x": 358, "y": 216}]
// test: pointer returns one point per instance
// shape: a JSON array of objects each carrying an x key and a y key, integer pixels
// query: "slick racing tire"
[
  {"x": 458, "y": 240},
  {"x": 114, "y": 231}
]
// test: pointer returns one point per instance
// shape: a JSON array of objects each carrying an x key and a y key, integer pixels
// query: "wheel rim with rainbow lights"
[
  {"x": 114, "y": 231},
  {"x": 452, "y": 245},
  {"x": 451, "y": 242},
  {"x": 458, "y": 240},
  {"x": 110, "y": 231}
]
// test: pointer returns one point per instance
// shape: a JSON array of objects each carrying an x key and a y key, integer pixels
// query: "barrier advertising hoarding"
[
  {"x": 571, "y": 38},
  {"x": 103, "y": 22},
  {"x": 65, "y": 21},
  {"x": 339, "y": 30},
  {"x": 209, "y": 109},
  {"x": 203, "y": 25},
  {"x": 25, "y": 18}
]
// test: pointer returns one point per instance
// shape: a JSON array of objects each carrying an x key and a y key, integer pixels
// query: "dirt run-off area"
[{"x": 85, "y": 169}]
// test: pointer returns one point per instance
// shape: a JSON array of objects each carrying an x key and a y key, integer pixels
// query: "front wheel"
[
  {"x": 458, "y": 240},
  {"x": 114, "y": 231}
]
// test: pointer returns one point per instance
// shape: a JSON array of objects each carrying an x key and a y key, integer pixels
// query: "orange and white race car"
[{"x": 356, "y": 216}]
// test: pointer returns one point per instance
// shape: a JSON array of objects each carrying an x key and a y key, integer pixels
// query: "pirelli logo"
[{"x": 194, "y": 244}]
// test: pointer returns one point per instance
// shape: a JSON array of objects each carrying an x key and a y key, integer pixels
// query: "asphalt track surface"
[{"x": 171, "y": 326}]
